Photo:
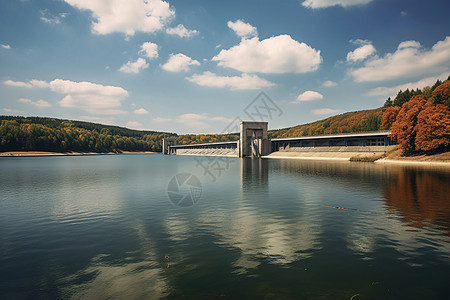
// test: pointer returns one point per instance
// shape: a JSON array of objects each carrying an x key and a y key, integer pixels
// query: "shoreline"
[{"x": 47, "y": 153}]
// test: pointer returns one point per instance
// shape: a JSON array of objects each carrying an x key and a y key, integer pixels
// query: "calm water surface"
[{"x": 103, "y": 227}]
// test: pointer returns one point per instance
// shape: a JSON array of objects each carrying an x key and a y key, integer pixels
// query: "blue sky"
[{"x": 194, "y": 66}]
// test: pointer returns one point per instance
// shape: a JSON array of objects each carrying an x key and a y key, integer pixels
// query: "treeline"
[
  {"x": 48, "y": 134},
  {"x": 187, "y": 139},
  {"x": 356, "y": 121},
  {"x": 404, "y": 96},
  {"x": 422, "y": 122}
]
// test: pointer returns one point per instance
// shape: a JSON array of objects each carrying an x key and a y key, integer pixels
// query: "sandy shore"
[{"x": 44, "y": 153}]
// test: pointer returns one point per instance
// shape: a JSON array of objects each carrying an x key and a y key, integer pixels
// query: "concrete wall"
[{"x": 209, "y": 151}]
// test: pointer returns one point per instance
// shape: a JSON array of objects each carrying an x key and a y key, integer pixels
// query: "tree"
[
  {"x": 433, "y": 128},
  {"x": 389, "y": 116},
  {"x": 441, "y": 94},
  {"x": 403, "y": 129},
  {"x": 388, "y": 102}
]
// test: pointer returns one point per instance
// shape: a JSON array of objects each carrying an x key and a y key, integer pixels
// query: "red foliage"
[
  {"x": 403, "y": 129},
  {"x": 433, "y": 128},
  {"x": 389, "y": 116}
]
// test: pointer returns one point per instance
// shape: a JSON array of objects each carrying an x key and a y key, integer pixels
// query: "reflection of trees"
[{"x": 421, "y": 198}]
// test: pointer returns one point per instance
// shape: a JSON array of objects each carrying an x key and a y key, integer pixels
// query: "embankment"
[{"x": 330, "y": 153}]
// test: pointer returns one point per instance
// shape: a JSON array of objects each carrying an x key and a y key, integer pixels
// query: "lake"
[{"x": 153, "y": 226}]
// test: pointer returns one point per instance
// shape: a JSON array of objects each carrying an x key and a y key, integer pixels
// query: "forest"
[{"x": 419, "y": 121}]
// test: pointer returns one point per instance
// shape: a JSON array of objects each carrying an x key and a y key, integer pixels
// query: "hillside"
[
  {"x": 57, "y": 135},
  {"x": 356, "y": 121}
]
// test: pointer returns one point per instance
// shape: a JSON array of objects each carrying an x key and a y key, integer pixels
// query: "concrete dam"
[{"x": 254, "y": 142}]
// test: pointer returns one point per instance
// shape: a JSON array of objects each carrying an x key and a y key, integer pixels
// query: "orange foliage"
[
  {"x": 403, "y": 129},
  {"x": 433, "y": 128},
  {"x": 389, "y": 116},
  {"x": 441, "y": 94}
]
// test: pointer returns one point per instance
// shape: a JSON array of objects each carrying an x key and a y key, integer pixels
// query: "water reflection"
[
  {"x": 286, "y": 228},
  {"x": 421, "y": 198}
]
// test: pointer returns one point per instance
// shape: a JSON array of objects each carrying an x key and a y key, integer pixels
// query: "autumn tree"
[
  {"x": 403, "y": 129},
  {"x": 433, "y": 128},
  {"x": 389, "y": 116},
  {"x": 441, "y": 94}
]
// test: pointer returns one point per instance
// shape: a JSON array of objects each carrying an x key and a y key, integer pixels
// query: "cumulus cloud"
[
  {"x": 243, "y": 82},
  {"x": 409, "y": 60},
  {"x": 126, "y": 16},
  {"x": 5, "y": 46},
  {"x": 134, "y": 66},
  {"x": 140, "y": 111},
  {"x": 179, "y": 62},
  {"x": 30, "y": 84},
  {"x": 181, "y": 31},
  {"x": 39, "y": 103},
  {"x": 149, "y": 50},
  {"x": 91, "y": 97},
  {"x": 242, "y": 29},
  {"x": 359, "y": 54},
  {"x": 325, "y": 111},
  {"x": 279, "y": 54},
  {"x": 329, "y": 83},
  {"x": 393, "y": 90},
  {"x": 328, "y": 3},
  {"x": 309, "y": 96}
]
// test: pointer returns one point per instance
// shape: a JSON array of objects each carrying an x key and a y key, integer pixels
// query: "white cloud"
[
  {"x": 126, "y": 16},
  {"x": 361, "y": 53},
  {"x": 179, "y": 62},
  {"x": 243, "y": 82},
  {"x": 134, "y": 124},
  {"x": 242, "y": 29},
  {"x": 309, "y": 96},
  {"x": 12, "y": 111},
  {"x": 279, "y": 54},
  {"x": 181, "y": 31},
  {"x": 325, "y": 111},
  {"x": 393, "y": 90},
  {"x": 5, "y": 46},
  {"x": 328, "y": 3},
  {"x": 49, "y": 18},
  {"x": 30, "y": 84},
  {"x": 329, "y": 83},
  {"x": 140, "y": 111},
  {"x": 91, "y": 97},
  {"x": 409, "y": 60},
  {"x": 149, "y": 50},
  {"x": 134, "y": 67},
  {"x": 39, "y": 103}
]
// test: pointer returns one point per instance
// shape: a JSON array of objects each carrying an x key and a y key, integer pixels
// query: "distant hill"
[
  {"x": 356, "y": 121},
  {"x": 50, "y": 134}
]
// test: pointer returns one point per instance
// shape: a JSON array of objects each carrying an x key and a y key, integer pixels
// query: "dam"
[{"x": 254, "y": 142}]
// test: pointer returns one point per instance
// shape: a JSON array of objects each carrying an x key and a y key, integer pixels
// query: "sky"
[{"x": 198, "y": 66}]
